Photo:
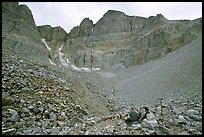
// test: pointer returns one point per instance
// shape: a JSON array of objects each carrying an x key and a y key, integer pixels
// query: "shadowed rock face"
[{"x": 19, "y": 32}]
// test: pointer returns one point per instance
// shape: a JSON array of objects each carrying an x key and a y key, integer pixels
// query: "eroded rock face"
[
  {"x": 19, "y": 32},
  {"x": 84, "y": 29},
  {"x": 55, "y": 37},
  {"x": 130, "y": 40},
  {"x": 115, "y": 39}
]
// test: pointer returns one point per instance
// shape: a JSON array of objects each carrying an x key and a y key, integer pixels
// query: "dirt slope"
[{"x": 176, "y": 76}]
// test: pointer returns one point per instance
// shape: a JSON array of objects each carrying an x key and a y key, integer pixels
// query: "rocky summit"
[{"x": 84, "y": 82}]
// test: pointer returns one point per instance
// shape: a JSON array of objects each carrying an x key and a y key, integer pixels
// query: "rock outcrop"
[
  {"x": 115, "y": 39},
  {"x": 55, "y": 37},
  {"x": 84, "y": 29},
  {"x": 19, "y": 32},
  {"x": 118, "y": 38}
]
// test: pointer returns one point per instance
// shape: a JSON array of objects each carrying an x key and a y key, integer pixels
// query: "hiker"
[
  {"x": 143, "y": 113},
  {"x": 133, "y": 116}
]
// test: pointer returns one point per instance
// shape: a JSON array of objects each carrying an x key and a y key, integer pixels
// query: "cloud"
[{"x": 70, "y": 14}]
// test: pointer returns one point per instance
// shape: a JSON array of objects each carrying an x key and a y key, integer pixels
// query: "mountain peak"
[
  {"x": 160, "y": 16},
  {"x": 113, "y": 12},
  {"x": 86, "y": 22}
]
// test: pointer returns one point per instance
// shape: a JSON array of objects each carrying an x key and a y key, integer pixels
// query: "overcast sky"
[{"x": 70, "y": 14}]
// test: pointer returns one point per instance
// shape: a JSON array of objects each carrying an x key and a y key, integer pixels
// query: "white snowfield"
[{"x": 75, "y": 68}]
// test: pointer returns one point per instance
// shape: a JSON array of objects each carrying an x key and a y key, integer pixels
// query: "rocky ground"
[{"x": 40, "y": 99}]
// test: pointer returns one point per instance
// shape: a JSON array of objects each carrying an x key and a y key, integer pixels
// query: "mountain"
[
  {"x": 19, "y": 32},
  {"x": 115, "y": 39},
  {"x": 132, "y": 61},
  {"x": 128, "y": 40}
]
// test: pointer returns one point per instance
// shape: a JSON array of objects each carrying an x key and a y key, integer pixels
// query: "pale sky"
[{"x": 70, "y": 14}]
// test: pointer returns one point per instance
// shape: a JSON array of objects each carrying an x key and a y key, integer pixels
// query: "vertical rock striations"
[
  {"x": 19, "y": 32},
  {"x": 130, "y": 40}
]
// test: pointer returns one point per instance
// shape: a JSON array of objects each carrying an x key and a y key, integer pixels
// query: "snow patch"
[
  {"x": 52, "y": 62},
  {"x": 85, "y": 69},
  {"x": 75, "y": 68},
  {"x": 61, "y": 59},
  {"x": 60, "y": 47},
  {"x": 96, "y": 69},
  {"x": 44, "y": 41},
  {"x": 67, "y": 60}
]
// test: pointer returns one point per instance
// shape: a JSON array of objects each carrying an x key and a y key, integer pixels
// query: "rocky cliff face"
[
  {"x": 115, "y": 39},
  {"x": 84, "y": 29},
  {"x": 128, "y": 40},
  {"x": 55, "y": 37},
  {"x": 19, "y": 32},
  {"x": 38, "y": 98}
]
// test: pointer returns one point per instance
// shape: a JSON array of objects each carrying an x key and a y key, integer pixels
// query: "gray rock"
[
  {"x": 23, "y": 81},
  {"x": 181, "y": 119},
  {"x": 192, "y": 131},
  {"x": 63, "y": 114},
  {"x": 9, "y": 131},
  {"x": 39, "y": 103},
  {"x": 183, "y": 133},
  {"x": 15, "y": 116},
  {"x": 194, "y": 117},
  {"x": 52, "y": 116},
  {"x": 162, "y": 130},
  {"x": 41, "y": 109},
  {"x": 109, "y": 129},
  {"x": 25, "y": 110},
  {"x": 49, "y": 131},
  {"x": 7, "y": 101},
  {"x": 54, "y": 123},
  {"x": 29, "y": 123},
  {"x": 55, "y": 131},
  {"x": 25, "y": 89},
  {"x": 136, "y": 126},
  {"x": 31, "y": 107},
  {"x": 63, "y": 132},
  {"x": 74, "y": 120},
  {"x": 192, "y": 112},
  {"x": 35, "y": 130},
  {"x": 61, "y": 124},
  {"x": 198, "y": 126},
  {"x": 44, "y": 124},
  {"x": 22, "y": 100},
  {"x": 177, "y": 111},
  {"x": 86, "y": 132},
  {"x": 148, "y": 131}
]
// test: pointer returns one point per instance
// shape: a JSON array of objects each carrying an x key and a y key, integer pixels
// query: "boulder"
[
  {"x": 52, "y": 116},
  {"x": 15, "y": 116},
  {"x": 7, "y": 101}
]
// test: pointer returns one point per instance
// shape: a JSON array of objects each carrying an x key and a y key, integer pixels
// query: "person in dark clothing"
[{"x": 143, "y": 113}]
